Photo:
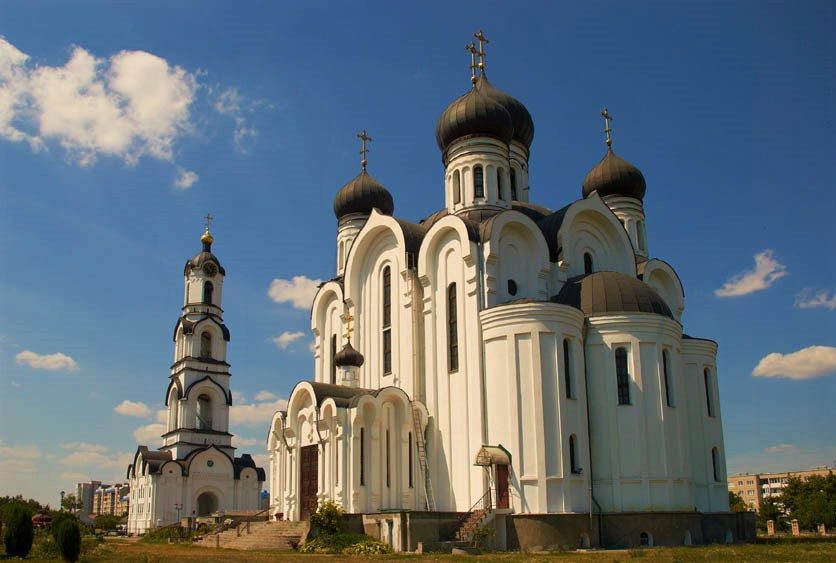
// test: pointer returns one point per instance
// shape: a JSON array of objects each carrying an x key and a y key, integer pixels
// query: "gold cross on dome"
[
  {"x": 208, "y": 222},
  {"x": 364, "y": 137},
  {"x": 348, "y": 318},
  {"x": 480, "y": 37},
  {"x": 607, "y": 118},
  {"x": 472, "y": 50}
]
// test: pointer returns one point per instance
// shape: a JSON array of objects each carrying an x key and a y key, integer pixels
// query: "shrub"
[
  {"x": 57, "y": 520},
  {"x": 19, "y": 534},
  {"x": 69, "y": 540},
  {"x": 345, "y": 544},
  {"x": 327, "y": 518}
]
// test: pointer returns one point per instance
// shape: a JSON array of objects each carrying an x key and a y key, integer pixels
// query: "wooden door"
[
  {"x": 501, "y": 486},
  {"x": 308, "y": 481}
]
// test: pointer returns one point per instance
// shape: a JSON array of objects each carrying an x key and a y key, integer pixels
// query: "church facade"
[
  {"x": 501, "y": 353},
  {"x": 195, "y": 473}
]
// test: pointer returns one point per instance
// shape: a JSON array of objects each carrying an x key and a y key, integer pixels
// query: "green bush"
[
  {"x": 18, "y": 534},
  {"x": 327, "y": 518},
  {"x": 69, "y": 540},
  {"x": 58, "y": 520},
  {"x": 345, "y": 544}
]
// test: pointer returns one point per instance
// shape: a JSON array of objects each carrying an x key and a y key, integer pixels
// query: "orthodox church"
[
  {"x": 500, "y": 359},
  {"x": 195, "y": 473}
]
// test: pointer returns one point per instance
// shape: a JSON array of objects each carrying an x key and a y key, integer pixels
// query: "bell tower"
[{"x": 198, "y": 397}]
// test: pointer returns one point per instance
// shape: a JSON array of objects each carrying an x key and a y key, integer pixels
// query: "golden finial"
[
  {"x": 364, "y": 138},
  {"x": 480, "y": 37},
  {"x": 348, "y": 318},
  {"x": 207, "y": 237},
  {"x": 607, "y": 118},
  {"x": 472, "y": 50}
]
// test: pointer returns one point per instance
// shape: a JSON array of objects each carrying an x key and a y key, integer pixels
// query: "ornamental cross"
[
  {"x": 472, "y": 50},
  {"x": 363, "y": 151},
  {"x": 607, "y": 118},
  {"x": 480, "y": 37},
  {"x": 348, "y": 318},
  {"x": 208, "y": 222}
]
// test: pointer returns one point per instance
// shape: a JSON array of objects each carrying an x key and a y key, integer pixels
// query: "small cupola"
[
  {"x": 614, "y": 176},
  {"x": 205, "y": 256},
  {"x": 475, "y": 114},
  {"x": 349, "y": 357},
  {"x": 363, "y": 194}
]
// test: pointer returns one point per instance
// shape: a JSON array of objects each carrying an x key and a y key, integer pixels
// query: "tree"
[
  {"x": 106, "y": 522},
  {"x": 19, "y": 534},
  {"x": 69, "y": 540},
  {"x": 59, "y": 519},
  {"x": 69, "y": 502},
  {"x": 812, "y": 501},
  {"x": 736, "y": 503}
]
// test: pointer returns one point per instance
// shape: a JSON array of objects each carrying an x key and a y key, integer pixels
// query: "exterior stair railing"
[
  {"x": 420, "y": 446},
  {"x": 473, "y": 517}
]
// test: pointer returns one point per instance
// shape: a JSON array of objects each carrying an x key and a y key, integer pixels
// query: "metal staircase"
[{"x": 418, "y": 434}]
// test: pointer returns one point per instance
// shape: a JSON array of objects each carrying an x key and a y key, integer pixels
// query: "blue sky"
[{"x": 252, "y": 108}]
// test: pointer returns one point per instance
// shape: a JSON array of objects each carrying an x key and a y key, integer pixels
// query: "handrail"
[{"x": 485, "y": 503}]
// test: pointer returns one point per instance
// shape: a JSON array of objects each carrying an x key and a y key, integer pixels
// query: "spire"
[
  {"x": 480, "y": 37},
  {"x": 471, "y": 48},
  {"x": 607, "y": 118},
  {"x": 364, "y": 137},
  {"x": 207, "y": 239}
]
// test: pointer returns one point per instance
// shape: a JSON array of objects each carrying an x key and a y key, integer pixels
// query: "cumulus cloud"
[
  {"x": 807, "y": 363},
  {"x": 232, "y": 104},
  {"x": 74, "y": 477},
  {"x": 255, "y": 414},
  {"x": 265, "y": 395},
  {"x": 299, "y": 291},
  {"x": 810, "y": 299},
  {"x": 131, "y": 408},
  {"x": 150, "y": 434},
  {"x": 286, "y": 338},
  {"x": 781, "y": 448},
  {"x": 84, "y": 447},
  {"x": 15, "y": 384},
  {"x": 19, "y": 452},
  {"x": 130, "y": 105},
  {"x": 161, "y": 416},
  {"x": 766, "y": 272},
  {"x": 240, "y": 442},
  {"x": 52, "y": 362},
  {"x": 98, "y": 460},
  {"x": 185, "y": 179}
]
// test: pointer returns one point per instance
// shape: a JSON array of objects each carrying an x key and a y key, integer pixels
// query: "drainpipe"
[{"x": 589, "y": 442}]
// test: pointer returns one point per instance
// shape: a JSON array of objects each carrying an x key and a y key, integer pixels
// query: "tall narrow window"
[
  {"x": 666, "y": 370},
  {"x": 640, "y": 235},
  {"x": 409, "y": 447},
  {"x": 573, "y": 454},
  {"x": 388, "y": 461},
  {"x": 387, "y": 320},
  {"x": 208, "y": 288},
  {"x": 500, "y": 193},
  {"x": 715, "y": 462},
  {"x": 204, "y": 413},
  {"x": 452, "y": 329},
  {"x": 567, "y": 367},
  {"x": 478, "y": 181},
  {"x": 513, "y": 184},
  {"x": 587, "y": 263},
  {"x": 205, "y": 345},
  {"x": 333, "y": 355},
  {"x": 709, "y": 404},
  {"x": 457, "y": 187},
  {"x": 362, "y": 457},
  {"x": 622, "y": 376}
]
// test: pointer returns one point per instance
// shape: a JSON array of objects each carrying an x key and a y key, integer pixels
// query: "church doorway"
[
  {"x": 308, "y": 470},
  {"x": 207, "y": 503},
  {"x": 501, "y": 473}
]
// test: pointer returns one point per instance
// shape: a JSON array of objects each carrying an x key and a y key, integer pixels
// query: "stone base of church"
[{"x": 434, "y": 531}]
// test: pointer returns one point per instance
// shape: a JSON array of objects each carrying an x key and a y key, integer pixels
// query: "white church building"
[
  {"x": 500, "y": 359},
  {"x": 195, "y": 473}
]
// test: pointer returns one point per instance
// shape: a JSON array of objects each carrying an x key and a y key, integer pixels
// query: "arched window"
[
  {"x": 709, "y": 403},
  {"x": 512, "y": 288},
  {"x": 362, "y": 457},
  {"x": 666, "y": 370},
  {"x": 452, "y": 328},
  {"x": 478, "y": 181},
  {"x": 204, "y": 413},
  {"x": 567, "y": 367},
  {"x": 645, "y": 540},
  {"x": 500, "y": 189},
  {"x": 640, "y": 234},
  {"x": 333, "y": 355},
  {"x": 573, "y": 454},
  {"x": 340, "y": 257},
  {"x": 513, "y": 183},
  {"x": 208, "y": 288},
  {"x": 387, "y": 320},
  {"x": 622, "y": 376},
  {"x": 457, "y": 187},
  {"x": 587, "y": 263},
  {"x": 715, "y": 462},
  {"x": 206, "y": 345}
]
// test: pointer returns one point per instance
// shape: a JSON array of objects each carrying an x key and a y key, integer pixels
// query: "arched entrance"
[{"x": 207, "y": 503}]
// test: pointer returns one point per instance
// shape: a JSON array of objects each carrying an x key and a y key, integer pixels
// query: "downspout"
[{"x": 589, "y": 442}]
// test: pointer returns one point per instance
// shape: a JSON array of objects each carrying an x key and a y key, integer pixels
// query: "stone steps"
[{"x": 282, "y": 535}]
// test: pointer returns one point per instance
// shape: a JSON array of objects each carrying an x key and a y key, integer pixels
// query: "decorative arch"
[
  {"x": 661, "y": 276},
  {"x": 175, "y": 382},
  {"x": 438, "y": 235},
  {"x": 207, "y": 381},
  {"x": 515, "y": 250},
  {"x": 377, "y": 228}
]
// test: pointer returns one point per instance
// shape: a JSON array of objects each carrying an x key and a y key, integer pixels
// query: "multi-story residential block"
[{"x": 753, "y": 488}]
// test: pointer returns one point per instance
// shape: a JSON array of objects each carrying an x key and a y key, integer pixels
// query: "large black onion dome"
[
  {"x": 474, "y": 114},
  {"x": 521, "y": 119},
  {"x": 614, "y": 176},
  {"x": 603, "y": 293},
  {"x": 361, "y": 195},
  {"x": 348, "y": 357}
]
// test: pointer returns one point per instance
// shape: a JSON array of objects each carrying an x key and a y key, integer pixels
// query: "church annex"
[{"x": 501, "y": 358}]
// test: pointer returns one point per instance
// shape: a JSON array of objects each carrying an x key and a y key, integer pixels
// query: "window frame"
[
  {"x": 622, "y": 375},
  {"x": 386, "y": 330},
  {"x": 452, "y": 328},
  {"x": 478, "y": 181}
]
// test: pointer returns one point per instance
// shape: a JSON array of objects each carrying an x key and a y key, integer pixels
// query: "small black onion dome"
[
  {"x": 474, "y": 114},
  {"x": 523, "y": 124},
  {"x": 614, "y": 176},
  {"x": 602, "y": 293},
  {"x": 205, "y": 255},
  {"x": 361, "y": 195},
  {"x": 348, "y": 356}
]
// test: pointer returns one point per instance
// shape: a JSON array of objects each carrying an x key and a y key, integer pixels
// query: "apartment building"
[{"x": 753, "y": 488}]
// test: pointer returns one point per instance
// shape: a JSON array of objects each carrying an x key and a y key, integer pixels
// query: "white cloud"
[
  {"x": 261, "y": 460},
  {"x": 237, "y": 397},
  {"x": 240, "y": 442},
  {"x": 265, "y": 395},
  {"x": 300, "y": 291},
  {"x": 161, "y": 416},
  {"x": 85, "y": 447},
  {"x": 131, "y": 408},
  {"x": 780, "y": 449},
  {"x": 312, "y": 346},
  {"x": 255, "y": 414},
  {"x": 767, "y": 271},
  {"x": 52, "y": 362},
  {"x": 131, "y": 105},
  {"x": 231, "y": 103},
  {"x": 98, "y": 460},
  {"x": 19, "y": 452},
  {"x": 15, "y": 384},
  {"x": 150, "y": 434},
  {"x": 74, "y": 477},
  {"x": 286, "y": 338},
  {"x": 810, "y": 299},
  {"x": 185, "y": 178},
  {"x": 807, "y": 363}
]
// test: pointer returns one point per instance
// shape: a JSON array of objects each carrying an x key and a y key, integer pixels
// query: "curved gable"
[{"x": 227, "y": 397}]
